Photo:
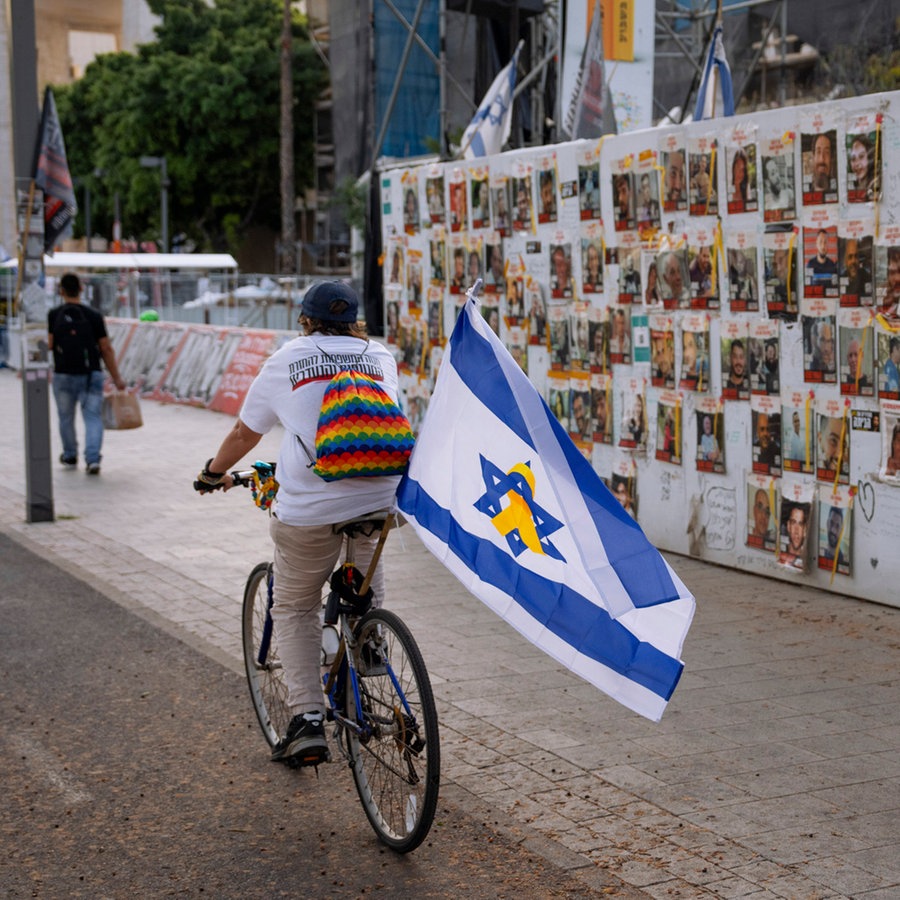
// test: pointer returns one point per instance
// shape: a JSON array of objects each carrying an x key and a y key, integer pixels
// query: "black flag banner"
[
  {"x": 590, "y": 113},
  {"x": 51, "y": 175}
]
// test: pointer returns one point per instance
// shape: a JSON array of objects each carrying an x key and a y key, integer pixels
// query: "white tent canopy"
[{"x": 202, "y": 261}]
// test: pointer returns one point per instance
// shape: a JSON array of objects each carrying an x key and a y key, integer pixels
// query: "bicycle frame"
[
  {"x": 343, "y": 669},
  {"x": 377, "y": 691}
]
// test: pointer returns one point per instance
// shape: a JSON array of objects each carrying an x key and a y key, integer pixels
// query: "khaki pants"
[{"x": 305, "y": 557}]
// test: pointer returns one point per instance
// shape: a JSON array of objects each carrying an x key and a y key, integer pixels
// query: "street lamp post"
[{"x": 154, "y": 162}]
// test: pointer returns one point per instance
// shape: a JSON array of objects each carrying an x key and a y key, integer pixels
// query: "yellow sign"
[{"x": 618, "y": 30}]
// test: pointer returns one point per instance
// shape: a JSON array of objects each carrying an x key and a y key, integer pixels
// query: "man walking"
[{"x": 78, "y": 341}]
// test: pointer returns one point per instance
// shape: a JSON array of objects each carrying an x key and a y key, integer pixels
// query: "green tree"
[{"x": 206, "y": 95}]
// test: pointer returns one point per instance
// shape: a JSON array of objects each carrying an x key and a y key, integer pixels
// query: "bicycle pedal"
[{"x": 305, "y": 760}]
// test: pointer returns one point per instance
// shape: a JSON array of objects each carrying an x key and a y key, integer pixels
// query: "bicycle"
[{"x": 378, "y": 694}]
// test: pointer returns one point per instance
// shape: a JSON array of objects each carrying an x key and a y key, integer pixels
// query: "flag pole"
[
  {"x": 25, "y": 230},
  {"x": 715, "y": 70}
]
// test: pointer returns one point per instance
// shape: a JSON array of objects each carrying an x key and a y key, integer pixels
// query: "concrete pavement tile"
[
  {"x": 575, "y": 808},
  {"x": 790, "y": 846},
  {"x": 727, "y": 822},
  {"x": 712, "y": 694},
  {"x": 641, "y": 871},
  {"x": 677, "y": 745},
  {"x": 784, "y": 725},
  {"x": 521, "y": 778},
  {"x": 628, "y": 778},
  {"x": 759, "y": 870},
  {"x": 846, "y": 743},
  {"x": 676, "y": 889},
  {"x": 841, "y": 699},
  {"x": 888, "y": 893},
  {"x": 817, "y": 776},
  {"x": 793, "y": 886},
  {"x": 483, "y": 783},
  {"x": 528, "y": 812},
  {"x": 738, "y": 860},
  {"x": 733, "y": 887},
  {"x": 600, "y": 754},
  {"x": 799, "y": 810},
  {"x": 550, "y": 766},
  {"x": 691, "y": 796},
  {"x": 841, "y": 875},
  {"x": 593, "y": 835},
  {"x": 880, "y": 713},
  {"x": 871, "y": 797},
  {"x": 693, "y": 868},
  {"x": 550, "y": 738},
  {"x": 876, "y": 829},
  {"x": 752, "y": 759}
]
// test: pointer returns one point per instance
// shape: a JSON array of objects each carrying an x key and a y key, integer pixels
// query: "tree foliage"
[
  {"x": 205, "y": 94},
  {"x": 866, "y": 66}
]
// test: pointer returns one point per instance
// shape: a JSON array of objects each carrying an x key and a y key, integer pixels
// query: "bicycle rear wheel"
[
  {"x": 396, "y": 763},
  {"x": 265, "y": 676}
]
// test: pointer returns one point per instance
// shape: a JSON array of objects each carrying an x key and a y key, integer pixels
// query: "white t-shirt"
[{"x": 289, "y": 389}]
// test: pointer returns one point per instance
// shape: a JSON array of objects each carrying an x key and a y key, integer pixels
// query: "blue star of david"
[
  {"x": 496, "y": 119},
  {"x": 498, "y": 485}
]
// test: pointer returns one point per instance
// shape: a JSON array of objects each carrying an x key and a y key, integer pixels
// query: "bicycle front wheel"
[
  {"x": 265, "y": 676},
  {"x": 396, "y": 761}
]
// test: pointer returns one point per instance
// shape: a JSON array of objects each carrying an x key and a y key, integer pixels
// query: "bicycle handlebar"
[{"x": 260, "y": 472}]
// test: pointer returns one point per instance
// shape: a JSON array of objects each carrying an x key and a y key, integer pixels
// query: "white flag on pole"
[
  {"x": 489, "y": 129},
  {"x": 716, "y": 84}
]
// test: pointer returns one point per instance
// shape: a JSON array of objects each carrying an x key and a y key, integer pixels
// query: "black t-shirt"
[{"x": 93, "y": 332}]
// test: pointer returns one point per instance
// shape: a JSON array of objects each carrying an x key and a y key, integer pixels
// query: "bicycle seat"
[{"x": 367, "y": 524}]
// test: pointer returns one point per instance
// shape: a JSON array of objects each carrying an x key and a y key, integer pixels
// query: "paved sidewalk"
[{"x": 775, "y": 771}]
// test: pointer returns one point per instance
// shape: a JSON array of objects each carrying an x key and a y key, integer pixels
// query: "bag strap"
[{"x": 311, "y": 457}]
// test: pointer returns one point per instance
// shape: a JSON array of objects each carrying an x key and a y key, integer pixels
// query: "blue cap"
[{"x": 330, "y": 301}]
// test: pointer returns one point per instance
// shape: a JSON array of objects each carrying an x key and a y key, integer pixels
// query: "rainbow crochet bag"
[{"x": 361, "y": 431}]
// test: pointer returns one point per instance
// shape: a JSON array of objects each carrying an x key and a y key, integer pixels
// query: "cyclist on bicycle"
[{"x": 289, "y": 389}]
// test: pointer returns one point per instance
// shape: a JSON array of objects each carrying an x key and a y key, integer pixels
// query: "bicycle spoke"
[
  {"x": 264, "y": 676},
  {"x": 395, "y": 758}
]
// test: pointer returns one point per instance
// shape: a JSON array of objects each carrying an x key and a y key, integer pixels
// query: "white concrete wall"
[{"x": 704, "y": 514}]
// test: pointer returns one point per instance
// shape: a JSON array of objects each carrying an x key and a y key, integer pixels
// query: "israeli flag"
[
  {"x": 499, "y": 493},
  {"x": 489, "y": 129},
  {"x": 706, "y": 96}
]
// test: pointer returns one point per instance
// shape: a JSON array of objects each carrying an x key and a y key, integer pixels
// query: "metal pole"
[
  {"x": 782, "y": 86},
  {"x": 164, "y": 203},
  {"x": 442, "y": 77},
  {"x": 35, "y": 380},
  {"x": 87, "y": 215},
  {"x": 117, "y": 222}
]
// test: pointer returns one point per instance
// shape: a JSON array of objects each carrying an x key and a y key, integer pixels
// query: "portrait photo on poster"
[
  {"x": 743, "y": 279},
  {"x": 710, "y": 439},
  {"x": 589, "y": 190},
  {"x": 624, "y": 490},
  {"x": 675, "y": 184},
  {"x": 834, "y": 530},
  {"x": 890, "y": 443},
  {"x": 762, "y": 513},
  {"x": 832, "y": 448},
  {"x": 855, "y": 264},
  {"x": 793, "y": 534}
]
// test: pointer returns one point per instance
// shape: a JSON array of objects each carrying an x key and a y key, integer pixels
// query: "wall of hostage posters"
[{"x": 711, "y": 310}]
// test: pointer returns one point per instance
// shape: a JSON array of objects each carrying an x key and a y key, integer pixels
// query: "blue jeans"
[{"x": 86, "y": 390}]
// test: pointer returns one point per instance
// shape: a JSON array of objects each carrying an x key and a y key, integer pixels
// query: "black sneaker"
[
  {"x": 93, "y": 468},
  {"x": 304, "y": 744},
  {"x": 68, "y": 461}
]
